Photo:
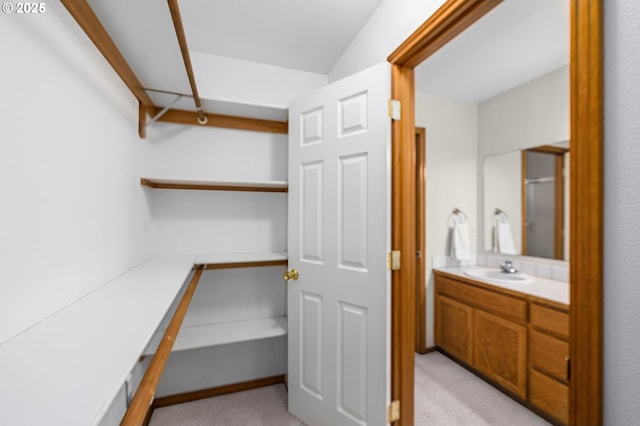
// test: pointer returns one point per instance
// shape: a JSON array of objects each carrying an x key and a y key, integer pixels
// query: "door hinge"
[
  {"x": 393, "y": 412},
  {"x": 395, "y": 112},
  {"x": 393, "y": 260},
  {"x": 567, "y": 360}
]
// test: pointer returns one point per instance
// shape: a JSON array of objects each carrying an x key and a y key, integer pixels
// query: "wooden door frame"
[
  {"x": 586, "y": 181},
  {"x": 421, "y": 289}
]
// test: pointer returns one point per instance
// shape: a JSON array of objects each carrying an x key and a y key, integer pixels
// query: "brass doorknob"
[{"x": 290, "y": 275}]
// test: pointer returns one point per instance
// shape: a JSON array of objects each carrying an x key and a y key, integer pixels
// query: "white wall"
[
  {"x": 451, "y": 161},
  {"x": 192, "y": 222},
  {"x": 622, "y": 213},
  {"x": 532, "y": 114},
  {"x": 72, "y": 213},
  {"x": 246, "y": 82}
]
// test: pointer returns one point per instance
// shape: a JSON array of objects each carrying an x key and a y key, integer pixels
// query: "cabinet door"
[
  {"x": 454, "y": 322},
  {"x": 500, "y": 351}
]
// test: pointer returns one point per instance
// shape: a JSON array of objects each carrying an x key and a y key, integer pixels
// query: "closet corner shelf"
[
  {"x": 241, "y": 260},
  {"x": 206, "y": 335},
  {"x": 85, "y": 351},
  {"x": 211, "y": 185}
]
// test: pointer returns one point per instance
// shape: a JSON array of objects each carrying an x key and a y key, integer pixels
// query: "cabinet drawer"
[
  {"x": 507, "y": 306},
  {"x": 551, "y": 320},
  {"x": 548, "y": 354},
  {"x": 549, "y": 395}
]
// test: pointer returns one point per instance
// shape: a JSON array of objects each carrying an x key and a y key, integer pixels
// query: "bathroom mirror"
[{"x": 525, "y": 198}]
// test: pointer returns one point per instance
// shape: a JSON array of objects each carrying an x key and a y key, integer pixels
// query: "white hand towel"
[
  {"x": 460, "y": 245},
  {"x": 505, "y": 238}
]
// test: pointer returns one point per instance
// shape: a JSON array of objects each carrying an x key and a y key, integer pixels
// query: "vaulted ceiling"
[
  {"x": 302, "y": 35},
  {"x": 515, "y": 42}
]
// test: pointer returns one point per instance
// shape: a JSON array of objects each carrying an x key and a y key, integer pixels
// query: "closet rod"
[
  {"x": 138, "y": 410},
  {"x": 182, "y": 41},
  {"x": 167, "y": 92}
]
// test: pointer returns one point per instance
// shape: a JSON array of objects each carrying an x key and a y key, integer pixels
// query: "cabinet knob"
[{"x": 290, "y": 275}]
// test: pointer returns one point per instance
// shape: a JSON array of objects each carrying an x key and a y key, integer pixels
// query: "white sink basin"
[{"x": 492, "y": 274}]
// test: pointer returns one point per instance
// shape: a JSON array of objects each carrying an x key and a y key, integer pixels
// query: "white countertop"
[{"x": 556, "y": 291}]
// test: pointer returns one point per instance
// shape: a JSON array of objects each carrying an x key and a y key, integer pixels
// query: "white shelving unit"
[
  {"x": 78, "y": 358},
  {"x": 208, "y": 327},
  {"x": 204, "y": 335},
  {"x": 222, "y": 333}
]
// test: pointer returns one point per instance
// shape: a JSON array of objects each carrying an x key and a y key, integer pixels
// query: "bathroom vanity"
[{"x": 513, "y": 334}]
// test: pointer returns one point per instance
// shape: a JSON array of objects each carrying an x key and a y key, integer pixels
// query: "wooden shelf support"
[
  {"x": 140, "y": 406},
  {"x": 177, "y": 116},
  {"x": 163, "y": 183},
  {"x": 255, "y": 264}
]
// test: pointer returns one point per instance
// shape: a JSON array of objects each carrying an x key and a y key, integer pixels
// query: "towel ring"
[
  {"x": 500, "y": 215},
  {"x": 456, "y": 212},
  {"x": 498, "y": 212}
]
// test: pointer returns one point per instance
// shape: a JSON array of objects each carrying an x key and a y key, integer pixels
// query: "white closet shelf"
[
  {"x": 215, "y": 185},
  {"x": 241, "y": 260},
  {"x": 72, "y": 364},
  {"x": 206, "y": 335}
]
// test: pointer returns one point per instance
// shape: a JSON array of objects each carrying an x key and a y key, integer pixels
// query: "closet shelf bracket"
[{"x": 163, "y": 111}]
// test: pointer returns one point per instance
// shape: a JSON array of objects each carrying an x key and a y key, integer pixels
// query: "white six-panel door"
[{"x": 338, "y": 237}]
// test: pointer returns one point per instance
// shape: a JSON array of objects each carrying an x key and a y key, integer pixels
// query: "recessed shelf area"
[
  {"x": 211, "y": 185},
  {"x": 205, "y": 335}
]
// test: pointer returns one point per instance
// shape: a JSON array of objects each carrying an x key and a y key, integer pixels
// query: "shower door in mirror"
[{"x": 543, "y": 190}]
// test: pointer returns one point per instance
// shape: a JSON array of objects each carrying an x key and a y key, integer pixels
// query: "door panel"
[
  {"x": 352, "y": 212},
  {"x": 311, "y": 216},
  {"x": 339, "y": 235},
  {"x": 352, "y": 361},
  {"x": 311, "y": 337},
  {"x": 312, "y": 126}
]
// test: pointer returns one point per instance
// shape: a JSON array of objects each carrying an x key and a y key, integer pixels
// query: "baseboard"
[
  {"x": 429, "y": 350},
  {"x": 217, "y": 391}
]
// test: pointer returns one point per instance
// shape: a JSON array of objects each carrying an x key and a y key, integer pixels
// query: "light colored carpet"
[
  {"x": 446, "y": 394},
  {"x": 266, "y": 406}
]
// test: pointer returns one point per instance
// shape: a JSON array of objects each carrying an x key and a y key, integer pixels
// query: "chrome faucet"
[{"x": 507, "y": 267}]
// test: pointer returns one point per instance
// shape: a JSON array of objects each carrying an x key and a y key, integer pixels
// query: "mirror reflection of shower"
[{"x": 543, "y": 202}]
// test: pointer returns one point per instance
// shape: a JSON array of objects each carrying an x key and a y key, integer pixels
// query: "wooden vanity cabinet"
[
  {"x": 519, "y": 342},
  {"x": 484, "y": 329}
]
